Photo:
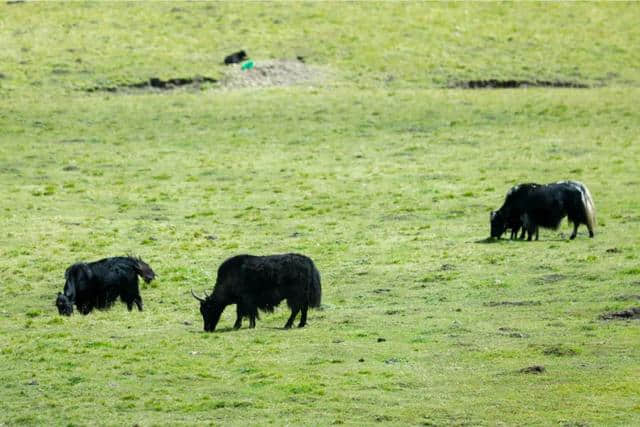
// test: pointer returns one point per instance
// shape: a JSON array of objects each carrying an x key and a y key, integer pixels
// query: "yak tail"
[
  {"x": 315, "y": 293},
  {"x": 589, "y": 208},
  {"x": 144, "y": 270}
]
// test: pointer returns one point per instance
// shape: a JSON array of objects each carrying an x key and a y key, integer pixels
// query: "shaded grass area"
[{"x": 385, "y": 184}]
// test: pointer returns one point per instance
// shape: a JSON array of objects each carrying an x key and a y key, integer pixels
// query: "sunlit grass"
[{"x": 386, "y": 183}]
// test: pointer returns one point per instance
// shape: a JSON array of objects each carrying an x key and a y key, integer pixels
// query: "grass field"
[{"x": 379, "y": 172}]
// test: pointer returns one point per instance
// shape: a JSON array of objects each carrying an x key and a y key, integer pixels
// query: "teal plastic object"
[{"x": 247, "y": 65}]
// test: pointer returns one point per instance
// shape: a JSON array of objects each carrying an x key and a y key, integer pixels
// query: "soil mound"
[
  {"x": 271, "y": 73},
  {"x": 632, "y": 313}
]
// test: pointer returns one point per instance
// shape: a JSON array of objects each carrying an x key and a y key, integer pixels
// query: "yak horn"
[{"x": 196, "y": 296}]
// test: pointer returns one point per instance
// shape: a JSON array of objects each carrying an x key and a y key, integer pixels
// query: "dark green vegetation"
[{"x": 378, "y": 172}]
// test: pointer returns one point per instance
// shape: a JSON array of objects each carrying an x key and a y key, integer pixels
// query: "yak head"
[
  {"x": 210, "y": 311},
  {"x": 64, "y": 304},
  {"x": 498, "y": 224},
  {"x": 76, "y": 277}
]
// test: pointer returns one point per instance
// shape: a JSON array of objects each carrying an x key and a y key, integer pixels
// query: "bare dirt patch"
[
  {"x": 549, "y": 278},
  {"x": 271, "y": 73},
  {"x": 559, "y": 350},
  {"x": 627, "y": 297},
  {"x": 511, "y": 303},
  {"x": 155, "y": 83},
  {"x": 514, "y": 84},
  {"x": 535, "y": 369},
  {"x": 512, "y": 332},
  {"x": 261, "y": 74},
  {"x": 632, "y": 313}
]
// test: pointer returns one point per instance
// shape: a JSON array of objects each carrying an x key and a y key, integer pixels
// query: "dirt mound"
[
  {"x": 511, "y": 303},
  {"x": 632, "y": 313},
  {"x": 512, "y": 84},
  {"x": 157, "y": 83},
  {"x": 271, "y": 73},
  {"x": 535, "y": 369}
]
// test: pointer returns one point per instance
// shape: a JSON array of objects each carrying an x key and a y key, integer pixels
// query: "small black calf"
[
  {"x": 510, "y": 213},
  {"x": 98, "y": 284}
]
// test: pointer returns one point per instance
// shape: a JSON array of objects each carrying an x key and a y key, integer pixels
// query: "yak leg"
[
  {"x": 239, "y": 312},
  {"x": 85, "y": 308},
  {"x": 303, "y": 316},
  {"x": 575, "y": 231},
  {"x": 294, "y": 313},
  {"x": 253, "y": 316},
  {"x": 137, "y": 301},
  {"x": 531, "y": 230},
  {"x": 522, "y": 233}
]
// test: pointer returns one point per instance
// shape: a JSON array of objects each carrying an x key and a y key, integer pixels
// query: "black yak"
[
  {"x": 510, "y": 213},
  {"x": 262, "y": 282},
  {"x": 546, "y": 205},
  {"x": 98, "y": 284},
  {"x": 235, "y": 57}
]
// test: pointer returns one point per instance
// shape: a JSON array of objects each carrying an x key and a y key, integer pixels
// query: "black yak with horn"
[
  {"x": 98, "y": 284},
  {"x": 546, "y": 205},
  {"x": 260, "y": 283}
]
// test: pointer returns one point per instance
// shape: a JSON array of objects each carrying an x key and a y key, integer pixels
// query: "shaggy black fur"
[
  {"x": 546, "y": 206},
  {"x": 532, "y": 206},
  {"x": 260, "y": 283},
  {"x": 235, "y": 57},
  {"x": 509, "y": 215},
  {"x": 98, "y": 284}
]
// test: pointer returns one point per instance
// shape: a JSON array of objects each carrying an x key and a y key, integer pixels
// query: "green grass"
[{"x": 381, "y": 175}]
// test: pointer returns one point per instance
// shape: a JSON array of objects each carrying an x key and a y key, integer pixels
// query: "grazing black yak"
[
  {"x": 546, "y": 205},
  {"x": 510, "y": 213},
  {"x": 262, "y": 282},
  {"x": 98, "y": 284}
]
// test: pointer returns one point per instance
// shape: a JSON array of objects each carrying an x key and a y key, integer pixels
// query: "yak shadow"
[
  {"x": 230, "y": 329},
  {"x": 486, "y": 240},
  {"x": 218, "y": 330},
  {"x": 491, "y": 240},
  {"x": 282, "y": 328}
]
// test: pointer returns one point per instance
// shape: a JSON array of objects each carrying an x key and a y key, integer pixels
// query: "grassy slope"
[{"x": 386, "y": 184}]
